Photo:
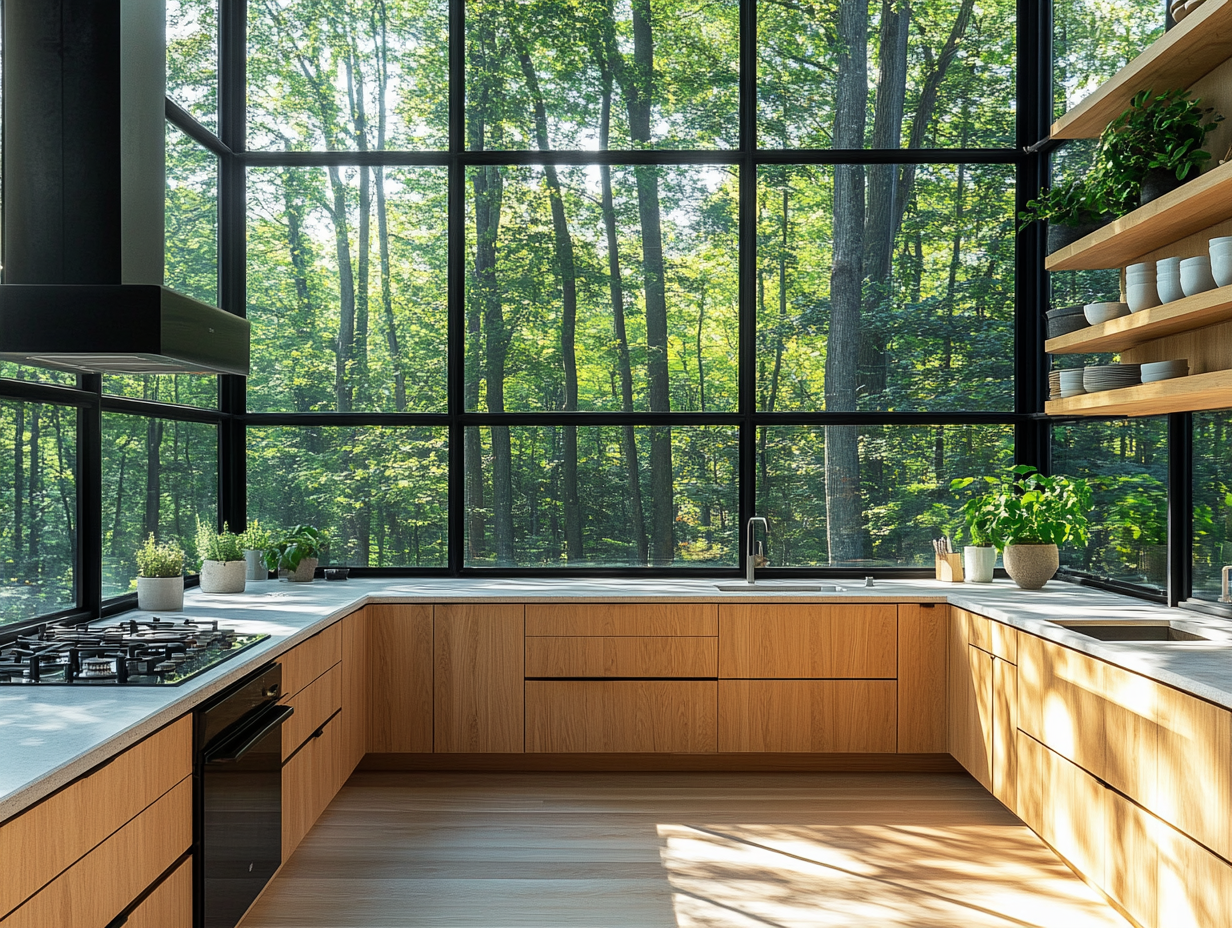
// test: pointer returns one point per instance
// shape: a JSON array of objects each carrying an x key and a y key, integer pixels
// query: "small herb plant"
[
  {"x": 256, "y": 538},
  {"x": 217, "y": 546},
  {"x": 980, "y": 510},
  {"x": 297, "y": 545},
  {"x": 1031, "y": 509},
  {"x": 155, "y": 560},
  {"x": 1157, "y": 132},
  {"x": 1070, "y": 203}
]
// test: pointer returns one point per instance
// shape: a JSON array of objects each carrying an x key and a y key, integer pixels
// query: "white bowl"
[
  {"x": 1102, "y": 312},
  {"x": 1164, "y": 370},
  {"x": 1168, "y": 280},
  {"x": 1145, "y": 269},
  {"x": 1142, "y": 295},
  {"x": 1221, "y": 267},
  {"x": 1196, "y": 275}
]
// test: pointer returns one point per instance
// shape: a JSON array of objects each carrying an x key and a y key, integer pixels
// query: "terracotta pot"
[
  {"x": 978, "y": 562},
  {"x": 303, "y": 573},
  {"x": 1031, "y": 566},
  {"x": 223, "y": 576},
  {"x": 160, "y": 594}
]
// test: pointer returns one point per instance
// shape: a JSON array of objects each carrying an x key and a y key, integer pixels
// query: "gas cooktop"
[{"x": 150, "y": 652}]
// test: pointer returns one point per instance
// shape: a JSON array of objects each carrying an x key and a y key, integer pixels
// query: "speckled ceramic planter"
[
  {"x": 1031, "y": 566},
  {"x": 223, "y": 576},
  {"x": 303, "y": 573},
  {"x": 160, "y": 594}
]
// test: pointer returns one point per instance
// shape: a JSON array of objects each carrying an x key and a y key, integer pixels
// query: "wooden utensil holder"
[{"x": 950, "y": 568}]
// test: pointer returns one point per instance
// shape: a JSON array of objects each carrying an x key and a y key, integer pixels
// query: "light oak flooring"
[{"x": 673, "y": 850}]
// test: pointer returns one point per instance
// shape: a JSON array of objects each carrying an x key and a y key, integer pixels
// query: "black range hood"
[{"x": 84, "y": 188}]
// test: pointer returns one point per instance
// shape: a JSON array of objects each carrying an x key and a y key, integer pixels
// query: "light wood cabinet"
[
  {"x": 479, "y": 679},
  {"x": 1005, "y": 732},
  {"x": 622, "y": 657},
  {"x": 356, "y": 680},
  {"x": 979, "y": 630},
  {"x": 763, "y": 641},
  {"x": 818, "y": 716},
  {"x": 1131, "y": 713},
  {"x": 647, "y": 620},
  {"x": 401, "y": 667},
  {"x": 970, "y": 703},
  {"x": 170, "y": 905},
  {"x": 310, "y": 779},
  {"x": 1030, "y": 790},
  {"x": 1061, "y": 702},
  {"x": 314, "y": 705},
  {"x": 1075, "y": 811},
  {"x": 103, "y": 883},
  {"x": 1132, "y": 860},
  {"x": 1195, "y": 779},
  {"x": 311, "y": 658},
  {"x": 619, "y": 716},
  {"x": 1194, "y": 886},
  {"x": 922, "y": 644},
  {"x": 45, "y": 840}
]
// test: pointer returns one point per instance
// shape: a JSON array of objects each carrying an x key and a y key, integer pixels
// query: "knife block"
[{"x": 950, "y": 568}]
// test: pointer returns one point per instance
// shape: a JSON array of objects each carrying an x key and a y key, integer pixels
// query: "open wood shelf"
[
  {"x": 1212, "y": 390},
  {"x": 1193, "y": 48},
  {"x": 1192, "y": 312},
  {"x": 1197, "y": 205}
]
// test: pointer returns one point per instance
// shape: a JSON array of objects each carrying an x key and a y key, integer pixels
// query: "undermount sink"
[
  {"x": 1136, "y": 631},
  {"x": 772, "y": 587}
]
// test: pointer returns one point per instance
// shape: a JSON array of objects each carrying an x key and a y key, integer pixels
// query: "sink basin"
[
  {"x": 772, "y": 587},
  {"x": 1136, "y": 631}
]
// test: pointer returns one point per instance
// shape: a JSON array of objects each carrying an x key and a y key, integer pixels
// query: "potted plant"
[
  {"x": 1155, "y": 145},
  {"x": 1072, "y": 209},
  {"x": 160, "y": 576},
  {"x": 222, "y": 560},
  {"x": 980, "y": 513},
  {"x": 255, "y": 541},
  {"x": 1035, "y": 514},
  {"x": 298, "y": 552}
]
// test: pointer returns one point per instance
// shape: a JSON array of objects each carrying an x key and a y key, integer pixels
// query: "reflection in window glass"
[
  {"x": 569, "y": 316},
  {"x": 1071, "y": 161},
  {"x": 1093, "y": 39},
  {"x": 1126, "y": 463},
  {"x": 180, "y": 389},
  {"x": 1212, "y": 501},
  {"x": 381, "y": 493},
  {"x": 192, "y": 58},
  {"x": 347, "y": 289},
  {"x": 865, "y": 307},
  {"x": 38, "y": 495},
  {"x": 190, "y": 250},
  {"x": 544, "y": 496},
  {"x": 939, "y": 75},
  {"x": 159, "y": 476},
  {"x": 589, "y": 69},
  {"x": 852, "y": 496},
  {"x": 36, "y": 374},
  {"x": 366, "y": 75}
]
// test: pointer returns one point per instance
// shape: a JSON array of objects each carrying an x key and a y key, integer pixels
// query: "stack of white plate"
[
  {"x": 1164, "y": 370},
  {"x": 1054, "y": 384},
  {"x": 1071, "y": 382},
  {"x": 1110, "y": 377}
]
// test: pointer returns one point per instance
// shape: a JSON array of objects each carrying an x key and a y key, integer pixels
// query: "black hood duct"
[{"x": 84, "y": 188}]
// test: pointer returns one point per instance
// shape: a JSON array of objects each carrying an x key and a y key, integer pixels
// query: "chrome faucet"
[
  {"x": 1227, "y": 576},
  {"x": 750, "y": 557}
]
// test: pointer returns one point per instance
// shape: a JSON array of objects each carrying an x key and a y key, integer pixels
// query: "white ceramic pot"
[
  {"x": 1031, "y": 566},
  {"x": 1141, "y": 294},
  {"x": 1221, "y": 263},
  {"x": 254, "y": 565},
  {"x": 303, "y": 573},
  {"x": 978, "y": 563},
  {"x": 223, "y": 576},
  {"x": 1196, "y": 275},
  {"x": 1168, "y": 279},
  {"x": 160, "y": 594}
]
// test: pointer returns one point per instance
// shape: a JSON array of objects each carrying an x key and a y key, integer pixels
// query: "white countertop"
[{"x": 49, "y": 735}]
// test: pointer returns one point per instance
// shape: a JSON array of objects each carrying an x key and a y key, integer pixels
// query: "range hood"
[{"x": 84, "y": 188}]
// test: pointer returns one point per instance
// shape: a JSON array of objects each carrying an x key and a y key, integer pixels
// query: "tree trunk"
[
  {"x": 19, "y": 480},
  {"x": 153, "y": 475},
  {"x": 345, "y": 345},
  {"x": 844, "y": 511}
]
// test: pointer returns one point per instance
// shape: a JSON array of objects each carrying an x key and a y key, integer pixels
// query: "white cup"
[
  {"x": 1221, "y": 267},
  {"x": 1145, "y": 269},
  {"x": 1222, "y": 241},
  {"x": 1168, "y": 279},
  {"x": 1142, "y": 294},
  {"x": 1196, "y": 275}
]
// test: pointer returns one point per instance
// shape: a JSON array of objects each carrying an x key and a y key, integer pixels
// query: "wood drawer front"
[
  {"x": 102, "y": 884},
  {"x": 309, "y": 781},
  {"x": 622, "y": 657},
  {"x": 622, "y": 619},
  {"x": 1061, "y": 701},
  {"x": 314, "y": 704},
  {"x": 1195, "y": 784},
  {"x": 305, "y": 662},
  {"x": 43, "y": 841},
  {"x": 1194, "y": 886},
  {"x": 979, "y": 630},
  {"x": 1075, "y": 809},
  {"x": 620, "y": 716},
  {"x": 1004, "y": 642},
  {"x": 1132, "y": 860},
  {"x": 815, "y": 716},
  {"x": 170, "y": 905},
  {"x": 798, "y": 641}
]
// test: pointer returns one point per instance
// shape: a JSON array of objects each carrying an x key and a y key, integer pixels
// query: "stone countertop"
[{"x": 49, "y": 735}]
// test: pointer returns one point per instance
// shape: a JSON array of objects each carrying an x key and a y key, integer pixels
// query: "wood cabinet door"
[
  {"x": 969, "y": 682},
  {"x": 809, "y": 716},
  {"x": 356, "y": 680},
  {"x": 922, "y": 640},
  {"x": 1075, "y": 815},
  {"x": 643, "y": 620},
  {"x": 309, "y": 659},
  {"x": 309, "y": 781},
  {"x": 620, "y": 716},
  {"x": 765, "y": 641},
  {"x": 401, "y": 670},
  {"x": 170, "y": 905},
  {"x": 1195, "y": 783},
  {"x": 1005, "y": 732},
  {"x": 592, "y": 656},
  {"x": 479, "y": 679}
]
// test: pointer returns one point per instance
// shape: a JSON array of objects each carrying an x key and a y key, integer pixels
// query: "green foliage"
[
  {"x": 1158, "y": 131},
  {"x": 981, "y": 510},
  {"x": 300, "y": 543},
  {"x": 217, "y": 546},
  {"x": 255, "y": 537},
  {"x": 159, "y": 560},
  {"x": 1073, "y": 202},
  {"x": 1030, "y": 509}
]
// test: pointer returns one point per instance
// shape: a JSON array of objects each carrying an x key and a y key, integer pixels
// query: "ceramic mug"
[
  {"x": 1196, "y": 275},
  {"x": 1168, "y": 279}
]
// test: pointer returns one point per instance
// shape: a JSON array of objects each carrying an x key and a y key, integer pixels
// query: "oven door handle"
[{"x": 230, "y": 751}]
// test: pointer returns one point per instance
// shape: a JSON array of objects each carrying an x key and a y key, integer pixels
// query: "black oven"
[{"x": 238, "y": 800}]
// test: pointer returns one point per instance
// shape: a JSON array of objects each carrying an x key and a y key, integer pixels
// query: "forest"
[{"x": 610, "y": 286}]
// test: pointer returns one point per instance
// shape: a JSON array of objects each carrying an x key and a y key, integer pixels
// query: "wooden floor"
[{"x": 692, "y": 849}]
